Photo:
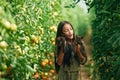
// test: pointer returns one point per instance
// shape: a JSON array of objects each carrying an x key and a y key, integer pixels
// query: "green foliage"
[
  {"x": 27, "y": 32},
  {"x": 77, "y": 16},
  {"x": 106, "y": 40}
]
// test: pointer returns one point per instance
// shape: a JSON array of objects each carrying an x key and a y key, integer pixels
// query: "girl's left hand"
[{"x": 80, "y": 56}]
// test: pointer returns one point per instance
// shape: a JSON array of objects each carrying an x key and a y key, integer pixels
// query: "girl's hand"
[
  {"x": 80, "y": 56},
  {"x": 60, "y": 59}
]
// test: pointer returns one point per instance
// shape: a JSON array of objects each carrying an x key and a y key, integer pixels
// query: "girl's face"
[{"x": 67, "y": 31}]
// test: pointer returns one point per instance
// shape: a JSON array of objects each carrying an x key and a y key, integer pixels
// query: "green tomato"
[{"x": 3, "y": 66}]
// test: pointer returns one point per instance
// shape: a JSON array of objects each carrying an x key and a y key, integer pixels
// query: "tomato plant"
[{"x": 27, "y": 32}]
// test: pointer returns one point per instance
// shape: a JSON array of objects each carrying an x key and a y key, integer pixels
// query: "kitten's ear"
[
  {"x": 79, "y": 39},
  {"x": 61, "y": 41}
]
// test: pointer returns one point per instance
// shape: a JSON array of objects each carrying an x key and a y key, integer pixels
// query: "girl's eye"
[
  {"x": 65, "y": 30},
  {"x": 68, "y": 30}
]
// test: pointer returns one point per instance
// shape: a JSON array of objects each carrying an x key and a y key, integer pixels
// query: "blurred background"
[
  {"x": 81, "y": 20},
  {"x": 27, "y": 37}
]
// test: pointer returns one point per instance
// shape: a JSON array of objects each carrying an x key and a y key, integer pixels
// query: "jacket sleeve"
[
  {"x": 60, "y": 57},
  {"x": 59, "y": 52},
  {"x": 81, "y": 51}
]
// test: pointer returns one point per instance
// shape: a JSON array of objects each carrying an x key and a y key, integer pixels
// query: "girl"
[{"x": 70, "y": 52}]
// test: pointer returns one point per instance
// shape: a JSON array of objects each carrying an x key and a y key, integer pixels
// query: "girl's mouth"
[{"x": 70, "y": 36}]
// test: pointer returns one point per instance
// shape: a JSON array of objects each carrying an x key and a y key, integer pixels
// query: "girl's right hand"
[{"x": 60, "y": 58}]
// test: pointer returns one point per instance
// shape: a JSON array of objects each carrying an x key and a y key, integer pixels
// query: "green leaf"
[{"x": 29, "y": 68}]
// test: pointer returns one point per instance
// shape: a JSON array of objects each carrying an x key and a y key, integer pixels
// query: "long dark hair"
[{"x": 67, "y": 50}]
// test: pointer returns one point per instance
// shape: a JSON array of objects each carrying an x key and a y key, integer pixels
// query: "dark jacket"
[{"x": 67, "y": 49}]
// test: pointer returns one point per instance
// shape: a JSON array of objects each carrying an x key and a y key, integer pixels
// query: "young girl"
[{"x": 69, "y": 52}]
